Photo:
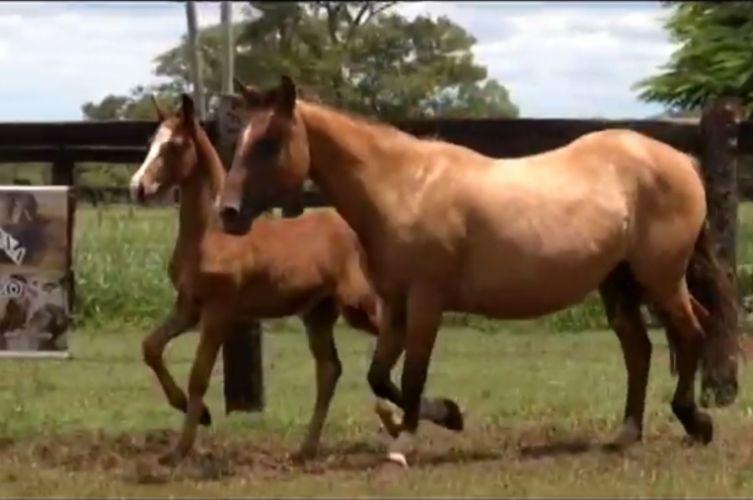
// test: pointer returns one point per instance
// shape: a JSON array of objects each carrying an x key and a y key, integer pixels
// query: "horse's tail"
[{"x": 715, "y": 291}]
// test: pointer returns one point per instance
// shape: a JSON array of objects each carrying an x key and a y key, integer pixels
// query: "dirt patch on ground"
[{"x": 135, "y": 457}]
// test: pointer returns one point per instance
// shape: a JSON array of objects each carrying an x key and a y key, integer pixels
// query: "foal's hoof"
[
  {"x": 628, "y": 435},
  {"x": 454, "y": 419},
  {"x": 206, "y": 417}
]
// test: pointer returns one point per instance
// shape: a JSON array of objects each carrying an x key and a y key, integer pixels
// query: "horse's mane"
[{"x": 355, "y": 117}]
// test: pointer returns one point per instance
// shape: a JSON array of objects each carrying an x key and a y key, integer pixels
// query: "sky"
[{"x": 557, "y": 59}]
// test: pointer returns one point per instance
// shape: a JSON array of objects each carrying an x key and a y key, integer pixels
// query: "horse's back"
[{"x": 568, "y": 217}]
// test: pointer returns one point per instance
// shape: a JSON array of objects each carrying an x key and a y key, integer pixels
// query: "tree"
[
  {"x": 714, "y": 58},
  {"x": 355, "y": 55}
]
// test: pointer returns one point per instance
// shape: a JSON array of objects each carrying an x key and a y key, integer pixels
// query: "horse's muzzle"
[{"x": 718, "y": 394}]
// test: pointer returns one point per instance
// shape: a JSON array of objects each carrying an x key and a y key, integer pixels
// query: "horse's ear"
[
  {"x": 287, "y": 96},
  {"x": 157, "y": 108},
  {"x": 250, "y": 95},
  {"x": 187, "y": 109}
]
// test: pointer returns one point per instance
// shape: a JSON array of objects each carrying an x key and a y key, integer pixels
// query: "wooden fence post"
[
  {"x": 63, "y": 174},
  {"x": 719, "y": 160},
  {"x": 242, "y": 352}
]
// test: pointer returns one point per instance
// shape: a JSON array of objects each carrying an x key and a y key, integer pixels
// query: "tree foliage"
[
  {"x": 358, "y": 55},
  {"x": 714, "y": 58}
]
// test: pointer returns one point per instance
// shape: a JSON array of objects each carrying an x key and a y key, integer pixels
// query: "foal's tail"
[{"x": 715, "y": 291}]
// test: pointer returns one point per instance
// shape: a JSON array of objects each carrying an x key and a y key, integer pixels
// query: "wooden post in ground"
[
  {"x": 63, "y": 174},
  {"x": 194, "y": 58},
  {"x": 242, "y": 352},
  {"x": 719, "y": 159}
]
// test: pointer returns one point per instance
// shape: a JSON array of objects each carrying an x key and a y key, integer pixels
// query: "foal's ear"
[
  {"x": 287, "y": 96},
  {"x": 187, "y": 109},
  {"x": 157, "y": 108}
]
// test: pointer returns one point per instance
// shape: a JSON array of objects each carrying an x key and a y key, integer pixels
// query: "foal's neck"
[{"x": 198, "y": 195}]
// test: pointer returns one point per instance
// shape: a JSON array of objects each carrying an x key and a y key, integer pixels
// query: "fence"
[{"x": 716, "y": 141}]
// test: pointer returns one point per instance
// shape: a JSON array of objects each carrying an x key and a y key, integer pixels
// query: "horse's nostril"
[{"x": 229, "y": 214}]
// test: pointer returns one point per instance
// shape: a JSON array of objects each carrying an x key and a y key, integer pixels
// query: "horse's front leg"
[
  {"x": 212, "y": 337},
  {"x": 183, "y": 316},
  {"x": 424, "y": 315}
]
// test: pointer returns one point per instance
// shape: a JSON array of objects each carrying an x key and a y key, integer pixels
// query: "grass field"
[{"x": 540, "y": 397}]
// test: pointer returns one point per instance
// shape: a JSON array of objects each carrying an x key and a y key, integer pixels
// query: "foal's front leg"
[
  {"x": 183, "y": 316},
  {"x": 212, "y": 337}
]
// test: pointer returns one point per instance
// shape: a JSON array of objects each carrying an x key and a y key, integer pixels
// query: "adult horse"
[
  {"x": 446, "y": 228},
  {"x": 264, "y": 273}
]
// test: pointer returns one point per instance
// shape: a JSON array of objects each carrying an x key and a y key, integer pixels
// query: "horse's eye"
[{"x": 268, "y": 147}]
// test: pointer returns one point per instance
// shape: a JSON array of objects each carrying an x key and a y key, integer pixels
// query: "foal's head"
[
  {"x": 271, "y": 157},
  {"x": 172, "y": 156}
]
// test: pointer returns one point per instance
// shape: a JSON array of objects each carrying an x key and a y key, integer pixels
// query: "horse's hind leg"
[
  {"x": 180, "y": 319},
  {"x": 686, "y": 335},
  {"x": 319, "y": 323},
  {"x": 621, "y": 295}
]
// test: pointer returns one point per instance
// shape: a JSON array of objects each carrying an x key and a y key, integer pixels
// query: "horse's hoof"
[
  {"x": 697, "y": 424},
  {"x": 171, "y": 459},
  {"x": 397, "y": 458},
  {"x": 628, "y": 435},
  {"x": 206, "y": 417},
  {"x": 387, "y": 417},
  {"x": 454, "y": 419},
  {"x": 401, "y": 448},
  {"x": 704, "y": 428}
]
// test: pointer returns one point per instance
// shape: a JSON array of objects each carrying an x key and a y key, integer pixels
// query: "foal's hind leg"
[
  {"x": 181, "y": 318},
  {"x": 621, "y": 295},
  {"x": 686, "y": 334},
  {"x": 320, "y": 322}
]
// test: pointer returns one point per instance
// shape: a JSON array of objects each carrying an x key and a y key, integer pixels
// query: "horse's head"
[
  {"x": 172, "y": 156},
  {"x": 271, "y": 158}
]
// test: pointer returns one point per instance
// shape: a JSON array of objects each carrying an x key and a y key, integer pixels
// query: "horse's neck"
[{"x": 350, "y": 161}]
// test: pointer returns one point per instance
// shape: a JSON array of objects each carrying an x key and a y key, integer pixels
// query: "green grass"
[
  {"x": 533, "y": 403},
  {"x": 538, "y": 401}
]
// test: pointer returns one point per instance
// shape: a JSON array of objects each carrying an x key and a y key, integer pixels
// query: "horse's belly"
[
  {"x": 533, "y": 266},
  {"x": 507, "y": 295}
]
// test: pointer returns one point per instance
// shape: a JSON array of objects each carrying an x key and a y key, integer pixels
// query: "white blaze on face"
[{"x": 161, "y": 137}]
